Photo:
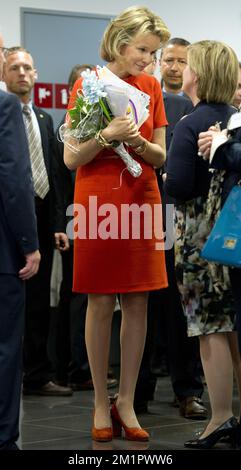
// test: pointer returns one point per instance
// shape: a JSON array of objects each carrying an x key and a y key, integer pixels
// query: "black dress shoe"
[
  {"x": 224, "y": 439},
  {"x": 226, "y": 429},
  {"x": 192, "y": 408}
]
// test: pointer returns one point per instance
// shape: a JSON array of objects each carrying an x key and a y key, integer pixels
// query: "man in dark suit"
[
  {"x": 20, "y": 76},
  {"x": 19, "y": 257},
  {"x": 183, "y": 352},
  {"x": 166, "y": 320},
  {"x": 176, "y": 107}
]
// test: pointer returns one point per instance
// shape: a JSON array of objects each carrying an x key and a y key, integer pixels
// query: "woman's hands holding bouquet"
[
  {"x": 124, "y": 129},
  {"x": 121, "y": 129},
  {"x": 100, "y": 118}
]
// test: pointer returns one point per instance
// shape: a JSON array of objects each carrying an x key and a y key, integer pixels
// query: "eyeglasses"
[{"x": 4, "y": 50}]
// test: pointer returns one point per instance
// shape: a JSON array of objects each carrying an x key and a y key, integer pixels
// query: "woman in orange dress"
[{"x": 118, "y": 239}]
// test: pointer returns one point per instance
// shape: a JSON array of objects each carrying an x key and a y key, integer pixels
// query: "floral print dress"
[{"x": 204, "y": 287}]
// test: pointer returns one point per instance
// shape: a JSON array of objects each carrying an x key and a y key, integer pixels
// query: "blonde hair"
[
  {"x": 216, "y": 67},
  {"x": 132, "y": 21}
]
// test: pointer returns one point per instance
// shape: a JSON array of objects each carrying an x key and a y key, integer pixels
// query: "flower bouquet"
[{"x": 103, "y": 97}]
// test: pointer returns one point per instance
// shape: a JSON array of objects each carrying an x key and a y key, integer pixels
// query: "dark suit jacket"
[
  {"x": 63, "y": 185},
  {"x": 176, "y": 107},
  {"x": 18, "y": 231},
  {"x": 45, "y": 122}
]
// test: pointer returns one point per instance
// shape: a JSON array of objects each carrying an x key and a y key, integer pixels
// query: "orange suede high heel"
[
  {"x": 102, "y": 434},
  {"x": 131, "y": 434}
]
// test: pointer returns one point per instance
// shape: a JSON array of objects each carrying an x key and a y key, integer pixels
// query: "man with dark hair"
[
  {"x": 173, "y": 61},
  {"x": 19, "y": 76},
  {"x": 168, "y": 330}
]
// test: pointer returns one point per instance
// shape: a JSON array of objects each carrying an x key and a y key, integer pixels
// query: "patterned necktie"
[{"x": 39, "y": 172}]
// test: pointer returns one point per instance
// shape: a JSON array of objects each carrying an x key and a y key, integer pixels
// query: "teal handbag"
[{"x": 223, "y": 245}]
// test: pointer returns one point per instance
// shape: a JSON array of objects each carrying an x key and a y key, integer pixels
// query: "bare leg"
[
  {"x": 97, "y": 335},
  {"x": 234, "y": 348},
  {"x": 133, "y": 335},
  {"x": 218, "y": 370}
]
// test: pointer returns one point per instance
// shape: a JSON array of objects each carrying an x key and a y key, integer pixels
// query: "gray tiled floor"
[{"x": 64, "y": 423}]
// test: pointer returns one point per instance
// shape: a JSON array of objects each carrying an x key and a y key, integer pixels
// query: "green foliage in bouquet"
[
  {"x": 91, "y": 112},
  {"x": 81, "y": 109},
  {"x": 88, "y": 118}
]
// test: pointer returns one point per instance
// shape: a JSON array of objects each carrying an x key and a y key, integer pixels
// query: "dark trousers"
[
  {"x": 183, "y": 352},
  {"x": 11, "y": 337},
  {"x": 37, "y": 367},
  {"x": 71, "y": 361}
]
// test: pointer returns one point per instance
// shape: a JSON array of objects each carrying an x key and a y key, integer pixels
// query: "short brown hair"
[
  {"x": 175, "y": 42},
  {"x": 132, "y": 21},
  {"x": 76, "y": 72},
  {"x": 216, "y": 66},
  {"x": 14, "y": 49}
]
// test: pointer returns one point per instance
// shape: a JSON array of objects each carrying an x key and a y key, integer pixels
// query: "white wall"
[{"x": 190, "y": 19}]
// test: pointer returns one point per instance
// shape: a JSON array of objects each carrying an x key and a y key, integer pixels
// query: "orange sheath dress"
[{"x": 115, "y": 245}]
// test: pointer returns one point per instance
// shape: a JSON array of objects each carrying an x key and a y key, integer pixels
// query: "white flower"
[{"x": 93, "y": 88}]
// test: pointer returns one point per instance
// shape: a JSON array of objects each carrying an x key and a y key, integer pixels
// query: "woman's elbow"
[
  {"x": 69, "y": 159},
  {"x": 70, "y": 165},
  {"x": 159, "y": 162}
]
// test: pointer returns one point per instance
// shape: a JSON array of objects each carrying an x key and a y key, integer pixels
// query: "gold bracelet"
[
  {"x": 101, "y": 140},
  {"x": 140, "y": 149}
]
